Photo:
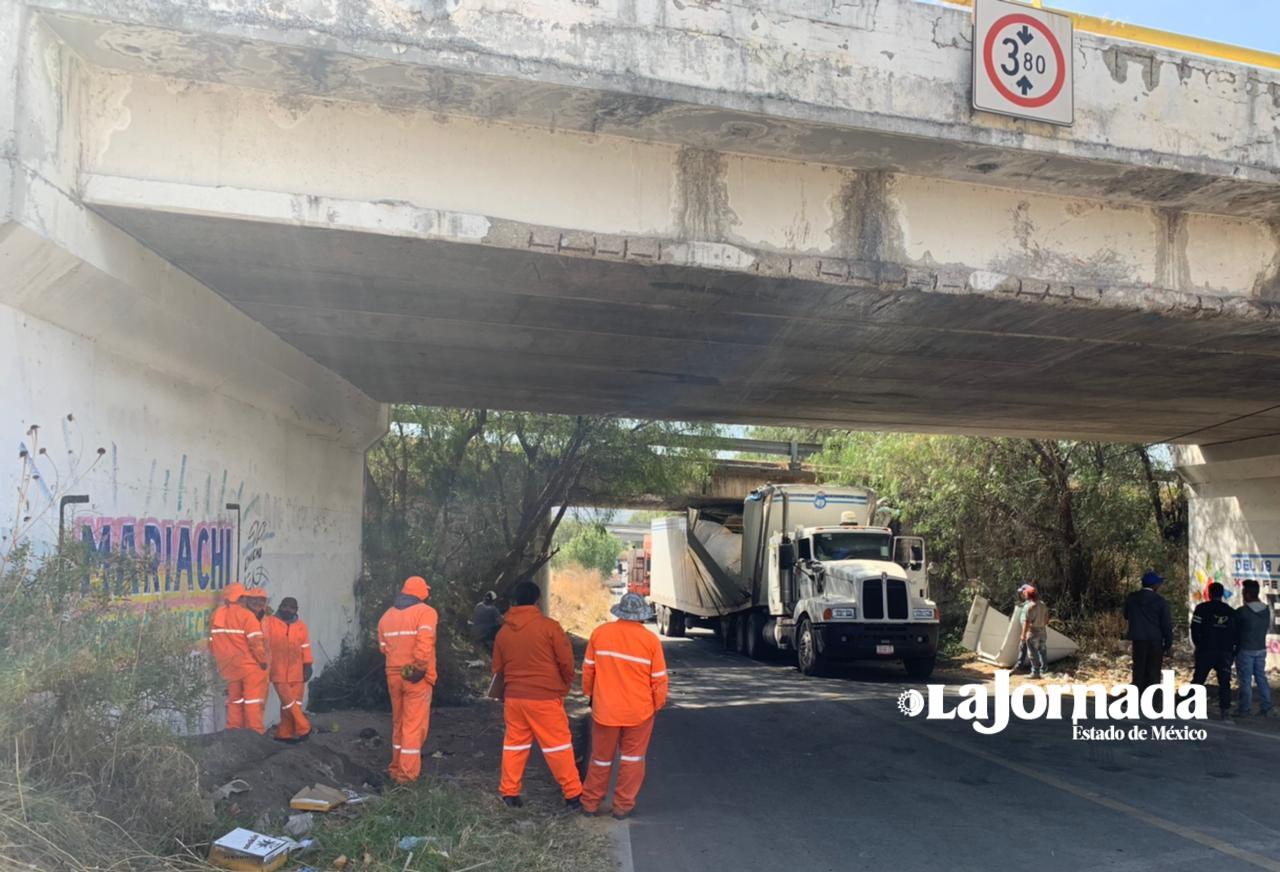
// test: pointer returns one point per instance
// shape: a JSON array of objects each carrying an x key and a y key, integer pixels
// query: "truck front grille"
[
  {"x": 896, "y": 594},
  {"x": 873, "y": 599}
]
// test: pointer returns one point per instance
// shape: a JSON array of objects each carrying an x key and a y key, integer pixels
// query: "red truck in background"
[{"x": 638, "y": 563}]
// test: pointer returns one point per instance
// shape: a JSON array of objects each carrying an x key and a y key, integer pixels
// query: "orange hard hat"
[
  {"x": 232, "y": 592},
  {"x": 416, "y": 586},
  {"x": 254, "y": 593}
]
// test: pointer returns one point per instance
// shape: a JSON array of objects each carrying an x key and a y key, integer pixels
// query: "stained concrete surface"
[
  {"x": 480, "y": 323},
  {"x": 753, "y": 766}
]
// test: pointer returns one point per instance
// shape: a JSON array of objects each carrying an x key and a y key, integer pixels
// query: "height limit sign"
[{"x": 1022, "y": 62}]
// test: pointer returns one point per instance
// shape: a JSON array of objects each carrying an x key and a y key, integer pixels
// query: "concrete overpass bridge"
[{"x": 231, "y": 233}]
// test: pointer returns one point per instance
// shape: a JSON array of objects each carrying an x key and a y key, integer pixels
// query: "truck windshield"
[{"x": 852, "y": 546}]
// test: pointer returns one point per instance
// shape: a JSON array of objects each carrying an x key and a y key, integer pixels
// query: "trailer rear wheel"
[
  {"x": 809, "y": 660},
  {"x": 732, "y": 635},
  {"x": 756, "y": 647},
  {"x": 662, "y": 615},
  {"x": 727, "y": 632},
  {"x": 675, "y": 623},
  {"x": 920, "y": 667}
]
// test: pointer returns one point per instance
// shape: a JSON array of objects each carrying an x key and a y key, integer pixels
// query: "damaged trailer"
[{"x": 993, "y": 636}]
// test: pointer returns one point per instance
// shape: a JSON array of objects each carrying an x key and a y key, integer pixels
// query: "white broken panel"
[{"x": 993, "y": 636}]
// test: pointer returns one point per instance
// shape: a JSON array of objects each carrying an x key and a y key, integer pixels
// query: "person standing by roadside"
[
  {"x": 1213, "y": 632},
  {"x": 1253, "y": 622},
  {"x": 238, "y": 648},
  {"x": 624, "y": 675},
  {"x": 1150, "y": 630},
  {"x": 289, "y": 647},
  {"x": 1019, "y": 614},
  {"x": 1035, "y": 631},
  {"x": 407, "y": 637},
  {"x": 534, "y": 658},
  {"x": 486, "y": 620}
]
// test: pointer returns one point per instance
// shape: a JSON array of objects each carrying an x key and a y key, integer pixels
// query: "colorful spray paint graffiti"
[
  {"x": 1264, "y": 568},
  {"x": 180, "y": 563}
]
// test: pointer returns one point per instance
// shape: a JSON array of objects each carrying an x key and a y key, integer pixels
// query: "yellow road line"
[
  {"x": 1160, "y": 38},
  {"x": 1093, "y": 796}
]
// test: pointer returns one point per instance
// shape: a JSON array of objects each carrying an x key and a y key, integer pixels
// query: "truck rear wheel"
[
  {"x": 675, "y": 623},
  {"x": 729, "y": 632},
  {"x": 920, "y": 667},
  {"x": 809, "y": 660},
  {"x": 757, "y": 648}
]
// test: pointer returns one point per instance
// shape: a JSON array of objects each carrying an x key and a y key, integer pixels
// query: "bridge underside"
[{"x": 460, "y": 310}]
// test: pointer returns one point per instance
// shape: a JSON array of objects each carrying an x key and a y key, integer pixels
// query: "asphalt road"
[{"x": 753, "y": 766}]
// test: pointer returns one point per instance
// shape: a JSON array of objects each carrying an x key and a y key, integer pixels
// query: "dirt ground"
[{"x": 350, "y": 749}]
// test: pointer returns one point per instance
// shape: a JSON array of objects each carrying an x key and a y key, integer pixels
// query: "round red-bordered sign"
[{"x": 989, "y": 62}]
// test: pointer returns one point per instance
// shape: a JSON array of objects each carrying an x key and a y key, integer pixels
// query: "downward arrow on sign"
[
  {"x": 1025, "y": 35},
  {"x": 1024, "y": 85}
]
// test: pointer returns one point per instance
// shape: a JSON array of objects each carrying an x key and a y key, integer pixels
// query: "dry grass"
[{"x": 579, "y": 600}]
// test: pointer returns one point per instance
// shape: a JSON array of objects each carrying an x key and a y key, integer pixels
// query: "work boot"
[
  {"x": 1225, "y": 717},
  {"x": 513, "y": 801},
  {"x": 621, "y": 815},
  {"x": 574, "y": 804}
]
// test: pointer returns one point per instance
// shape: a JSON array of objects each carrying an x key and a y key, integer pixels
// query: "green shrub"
[{"x": 93, "y": 689}]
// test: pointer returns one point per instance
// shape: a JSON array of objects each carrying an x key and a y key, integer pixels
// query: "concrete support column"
[{"x": 1235, "y": 520}]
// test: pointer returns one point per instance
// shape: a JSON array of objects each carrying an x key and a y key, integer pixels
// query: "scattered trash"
[
  {"x": 523, "y": 825},
  {"x": 248, "y": 851},
  {"x": 299, "y": 824},
  {"x": 367, "y": 733},
  {"x": 474, "y": 664},
  {"x": 478, "y": 754},
  {"x": 354, "y": 798},
  {"x": 238, "y": 785},
  {"x": 341, "y": 863},
  {"x": 317, "y": 797},
  {"x": 435, "y": 843},
  {"x": 440, "y": 755}
]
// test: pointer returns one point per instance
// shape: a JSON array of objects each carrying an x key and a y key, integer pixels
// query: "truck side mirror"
[
  {"x": 786, "y": 556},
  {"x": 806, "y": 549},
  {"x": 931, "y": 569}
]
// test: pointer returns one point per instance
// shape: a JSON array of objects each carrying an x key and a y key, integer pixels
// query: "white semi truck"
[{"x": 797, "y": 568}]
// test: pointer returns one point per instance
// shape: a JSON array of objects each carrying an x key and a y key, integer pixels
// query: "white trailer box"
[
  {"x": 680, "y": 580},
  {"x": 993, "y": 636}
]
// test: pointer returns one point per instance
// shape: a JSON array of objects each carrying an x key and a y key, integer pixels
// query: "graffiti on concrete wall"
[
  {"x": 1231, "y": 574},
  {"x": 166, "y": 534}
]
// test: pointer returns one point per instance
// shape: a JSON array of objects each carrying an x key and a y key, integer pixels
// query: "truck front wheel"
[
  {"x": 920, "y": 667},
  {"x": 809, "y": 659},
  {"x": 675, "y": 623}
]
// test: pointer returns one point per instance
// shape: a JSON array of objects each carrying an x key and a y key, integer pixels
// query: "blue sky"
[{"x": 1253, "y": 23}]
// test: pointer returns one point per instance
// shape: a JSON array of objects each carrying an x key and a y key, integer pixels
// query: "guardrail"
[{"x": 1159, "y": 38}]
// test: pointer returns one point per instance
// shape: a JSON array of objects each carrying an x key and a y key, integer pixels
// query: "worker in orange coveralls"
[
  {"x": 289, "y": 646},
  {"x": 535, "y": 659},
  {"x": 238, "y": 648},
  {"x": 624, "y": 675},
  {"x": 407, "y": 637}
]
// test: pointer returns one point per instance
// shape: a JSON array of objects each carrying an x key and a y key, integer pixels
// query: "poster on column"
[{"x": 1231, "y": 571}]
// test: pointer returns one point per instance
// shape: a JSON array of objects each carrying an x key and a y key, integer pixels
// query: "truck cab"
[{"x": 857, "y": 593}]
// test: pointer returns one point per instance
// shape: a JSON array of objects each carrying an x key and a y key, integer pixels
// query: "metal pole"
[
  {"x": 68, "y": 500},
  {"x": 235, "y": 507}
]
